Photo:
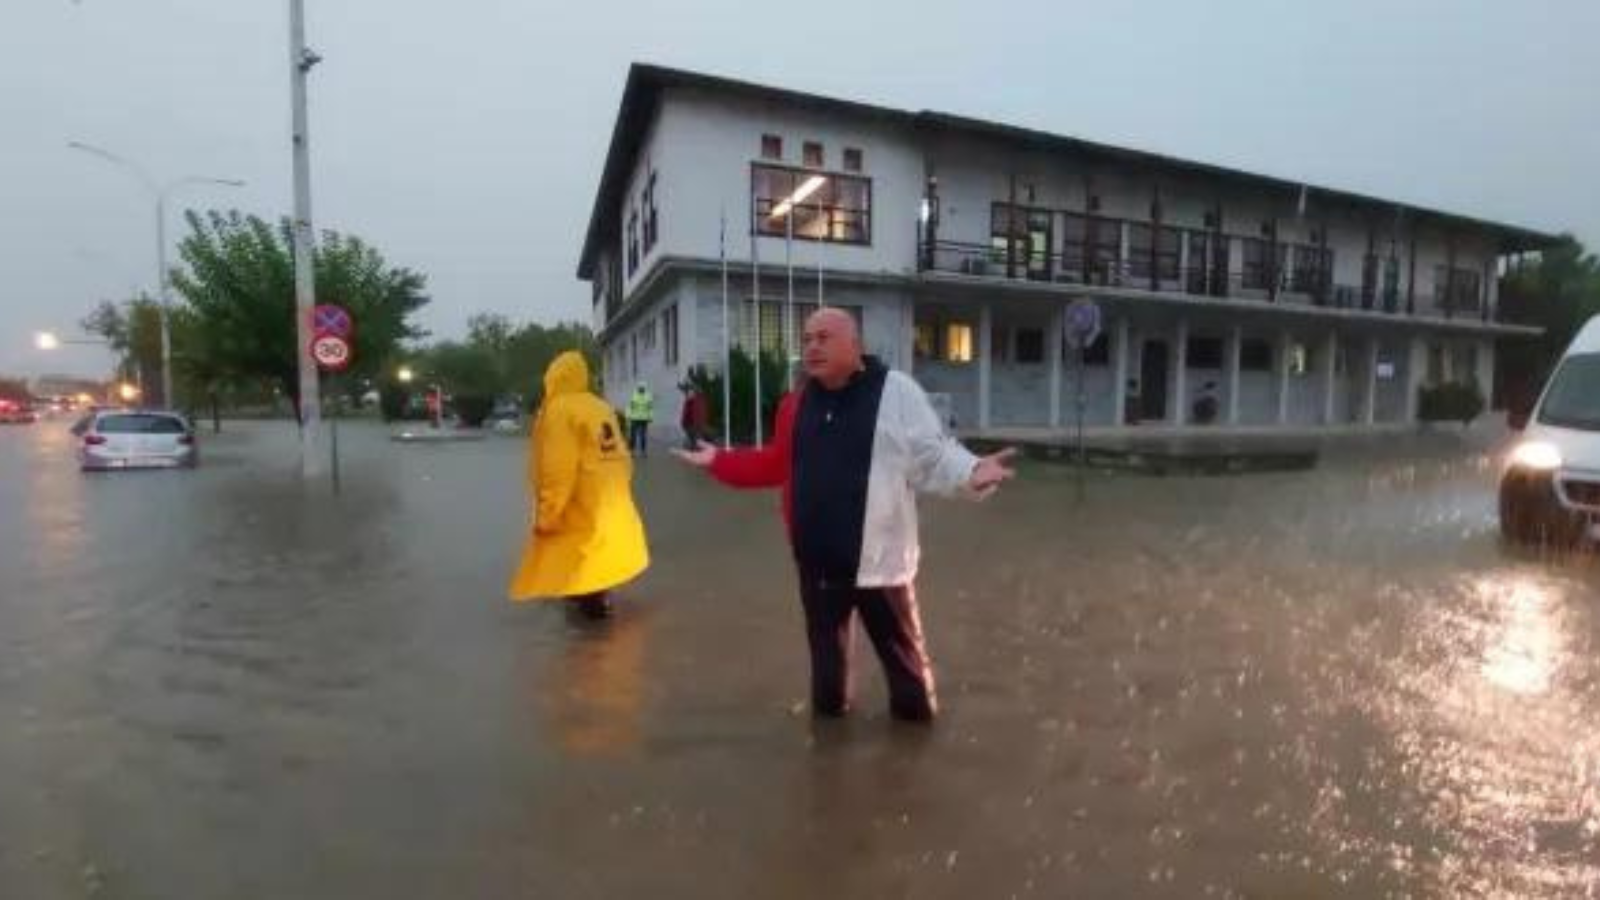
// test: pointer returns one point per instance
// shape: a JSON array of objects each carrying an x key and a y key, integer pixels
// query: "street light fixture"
[
  {"x": 161, "y": 192},
  {"x": 44, "y": 340},
  {"x": 405, "y": 375}
]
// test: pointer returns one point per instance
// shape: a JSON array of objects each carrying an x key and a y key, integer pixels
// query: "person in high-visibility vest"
[{"x": 641, "y": 412}]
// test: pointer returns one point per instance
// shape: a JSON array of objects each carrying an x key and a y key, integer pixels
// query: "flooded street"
[{"x": 218, "y": 684}]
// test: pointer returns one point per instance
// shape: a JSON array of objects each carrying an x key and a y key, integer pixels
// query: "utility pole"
[{"x": 301, "y": 59}]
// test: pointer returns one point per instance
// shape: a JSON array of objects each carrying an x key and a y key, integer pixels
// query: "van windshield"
[{"x": 1573, "y": 400}]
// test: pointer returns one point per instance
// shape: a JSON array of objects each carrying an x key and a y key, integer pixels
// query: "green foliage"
[
  {"x": 1450, "y": 403},
  {"x": 132, "y": 330},
  {"x": 239, "y": 288},
  {"x": 1558, "y": 292},
  {"x": 709, "y": 382}
]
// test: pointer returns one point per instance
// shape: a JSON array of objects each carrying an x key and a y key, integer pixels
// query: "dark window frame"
[
  {"x": 837, "y": 215},
  {"x": 853, "y": 160},
  {"x": 813, "y": 155},
  {"x": 772, "y": 147}
]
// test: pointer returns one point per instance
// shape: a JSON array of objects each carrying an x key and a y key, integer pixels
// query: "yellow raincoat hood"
[{"x": 586, "y": 536}]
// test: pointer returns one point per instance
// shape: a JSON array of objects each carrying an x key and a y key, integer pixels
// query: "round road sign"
[
  {"x": 1083, "y": 323},
  {"x": 331, "y": 352}
]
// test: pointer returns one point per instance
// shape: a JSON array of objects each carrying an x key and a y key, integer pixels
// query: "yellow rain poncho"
[{"x": 587, "y": 536}]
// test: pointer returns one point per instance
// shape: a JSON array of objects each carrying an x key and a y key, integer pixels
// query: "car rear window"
[
  {"x": 139, "y": 424},
  {"x": 1574, "y": 397}
]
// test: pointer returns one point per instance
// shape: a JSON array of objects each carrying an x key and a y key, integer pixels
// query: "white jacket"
[{"x": 911, "y": 452}]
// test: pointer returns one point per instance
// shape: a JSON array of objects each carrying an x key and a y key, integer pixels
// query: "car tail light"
[
  {"x": 187, "y": 440},
  {"x": 93, "y": 440}
]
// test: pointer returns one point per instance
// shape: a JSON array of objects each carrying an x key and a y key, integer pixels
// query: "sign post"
[
  {"x": 1083, "y": 328},
  {"x": 332, "y": 349}
]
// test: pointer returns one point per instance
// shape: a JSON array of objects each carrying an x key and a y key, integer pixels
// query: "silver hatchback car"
[{"x": 136, "y": 439}]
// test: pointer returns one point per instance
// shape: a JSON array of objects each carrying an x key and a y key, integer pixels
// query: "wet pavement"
[{"x": 217, "y": 684}]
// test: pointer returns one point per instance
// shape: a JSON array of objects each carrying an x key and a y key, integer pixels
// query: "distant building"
[{"x": 1250, "y": 300}]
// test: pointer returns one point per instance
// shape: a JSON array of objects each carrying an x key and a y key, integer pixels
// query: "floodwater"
[{"x": 219, "y": 684}]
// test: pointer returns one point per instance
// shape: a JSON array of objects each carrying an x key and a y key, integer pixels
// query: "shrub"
[{"x": 1461, "y": 402}]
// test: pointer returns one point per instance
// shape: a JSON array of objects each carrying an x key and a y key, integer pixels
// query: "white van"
[{"x": 1550, "y": 488}]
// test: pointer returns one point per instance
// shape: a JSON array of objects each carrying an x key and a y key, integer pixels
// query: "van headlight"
[{"x": 1540, "y": 456}]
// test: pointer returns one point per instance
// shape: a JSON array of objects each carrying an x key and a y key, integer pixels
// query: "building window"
[
  {"x": 649, "y": 336},
  {"x": 925, "y": 341},
  {"x": 651, "y": 220},
  {"x": 1257, "y": 273},
  {"x": 1105, "y": 250},
  {"x": 1030, "y": 345},
  {"x": 1458, "y": 293},
  {"x": 633, "y": 242},
  {"x": 1255, "y": 355},
  {"x": 853, "y": 161},
  {"x": 1147, "y": 246},
  {"x": 771, "y": 146},
  {"x": 1020, "y": 235},
  {"x": 1312, "y": 265},
  {"x": 811, "y": 155},
  {"x": 767, "y": 322},
  {"x": 1203, "y": 353},
  {"x": 669, "y": 335},
  {"x": 823, "y": 207},
  {"x": 958, "y": 343},
  {"x": 1391, "y": 284}
]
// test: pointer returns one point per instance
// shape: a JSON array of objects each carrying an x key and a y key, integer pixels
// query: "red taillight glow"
[
  {"x": 187, "y": 440},
  {"x": 93, "y": 440}
]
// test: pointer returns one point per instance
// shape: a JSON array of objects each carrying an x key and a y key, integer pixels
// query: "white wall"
[{"x": 708, "y": 142}]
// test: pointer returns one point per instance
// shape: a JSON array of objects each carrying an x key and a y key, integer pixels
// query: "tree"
[
  {"x": 239, "y": 285},
  {"x": 1558, "y": 292},
  {"x": 709, "y": 383},
  {"x": 132, "y": 329}
]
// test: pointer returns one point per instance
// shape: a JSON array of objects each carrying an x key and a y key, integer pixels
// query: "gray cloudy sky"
[{"x": 465, "y": 138}]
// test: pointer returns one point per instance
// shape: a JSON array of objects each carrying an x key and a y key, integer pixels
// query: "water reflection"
[
  {"x": 1487, "y": 727},
  {"x": 592, "y": 690},
  {"x": 1524, "y": 653}
]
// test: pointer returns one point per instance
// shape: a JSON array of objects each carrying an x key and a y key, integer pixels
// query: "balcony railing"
[{"x": 1252, "y": 283}]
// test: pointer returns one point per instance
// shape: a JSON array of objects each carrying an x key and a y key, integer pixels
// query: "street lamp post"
[
  {"x": 161, "y": 192},
  {"x": 301, "y": 61}
]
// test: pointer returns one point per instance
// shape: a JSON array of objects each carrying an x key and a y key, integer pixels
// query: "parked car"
[
  {"x": 15, "y": 412},
  {"x": 137, "y": 439},
  {"x": 1550, "y": 487}
]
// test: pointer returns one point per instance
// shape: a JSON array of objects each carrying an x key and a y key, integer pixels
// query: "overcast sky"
[{"x": 465, "y": 139}]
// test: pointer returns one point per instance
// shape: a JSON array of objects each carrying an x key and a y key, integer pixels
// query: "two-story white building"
[{"x": 1226, "y": 298}]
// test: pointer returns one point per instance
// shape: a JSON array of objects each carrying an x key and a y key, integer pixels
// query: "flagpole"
[
  {"x": 788, "y": 303},
  {"x": 727, "y": 353},
  {"x": 755, "y": 304}
]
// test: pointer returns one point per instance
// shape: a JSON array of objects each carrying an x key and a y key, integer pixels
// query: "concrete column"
[
  {"x": 1330, "y": 376},
  {"x": 1180, "y": 374},
  {"x": 1416, "y": 368},
  {"x": 1235, "y": 350},
  {"x": 908, "y": 335},
  {"x": 1485, "y": 373},
  {"x": 985, "y": 351},
  {"x": 1122, "y": 255},
  {"x": 1369, "y": 413},
  {"x": 1119, "y": 373},
  {"x": 1183, "y": 260},
  {"x": 1053, "y": 348},
  {"x": 1285, "y": 344}
]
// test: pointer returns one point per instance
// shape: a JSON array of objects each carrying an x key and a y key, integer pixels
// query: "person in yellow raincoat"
[{"x": 587, "y": 537}]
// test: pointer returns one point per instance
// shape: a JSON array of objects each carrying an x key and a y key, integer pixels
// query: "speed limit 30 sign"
[{"x": 331, "y": 352}]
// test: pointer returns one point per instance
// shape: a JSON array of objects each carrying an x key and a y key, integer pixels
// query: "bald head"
[{"x": 831, "y": 347}]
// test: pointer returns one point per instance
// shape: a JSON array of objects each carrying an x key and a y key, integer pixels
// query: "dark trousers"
[
  {"x": 638, "y": 436},
  {"x": 890, "y": 618}
]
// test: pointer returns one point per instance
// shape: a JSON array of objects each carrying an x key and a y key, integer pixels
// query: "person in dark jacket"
[
  {"x": 695, "y": 417},
  {"x": 853, "y": 445}
]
